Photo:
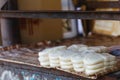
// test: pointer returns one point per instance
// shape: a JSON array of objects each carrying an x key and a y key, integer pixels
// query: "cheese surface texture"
[{"x": 90, "y": 60}]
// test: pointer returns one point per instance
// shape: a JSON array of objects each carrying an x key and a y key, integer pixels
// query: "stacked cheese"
[
  {"x": 44, "y": 55},
  {"x": 65, "y": 60},
  {"x": 79, "y": 58},
  {"x": 43, "y": 58},
  {"x": 77, "y": 61},
  {"x": 109, "y": 61},
  {"x": 94, "y": 64},
  {"x": 54, "y": 59},
  {"x": 79, "y": 47},
  {"x": 98, "y": 49}
]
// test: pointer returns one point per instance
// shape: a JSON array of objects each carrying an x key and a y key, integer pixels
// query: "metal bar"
[
  {"x": 99, "y": 15},
  {"x": 8, "y": 26},
  {"x": 12, "y": 5},
  {"x": 103, "y": 4},
  {"x": 6, "y": 31}
]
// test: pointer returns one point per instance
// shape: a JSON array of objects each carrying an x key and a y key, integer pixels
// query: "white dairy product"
[
  {"x": 93, "y": 58},
  {"x": 77, "y": 62},
  {"x": 78, "y": 65},
  {"x": 44, "y": 55},
  {"x": 94, "y": 63},
  {"x": 55, "y": 61},
  {"x": 82, "y": 49},
  {"x": 60, "y": 58},
  {"x": 45, "y": 63},
  {"x": 66, "y": 56},
  {"x": 87, "y": 51},
  {"x": 93, "y": 72},
  {"x": 94, "y": 67},
  {"x": 65, "y": 63},
  {"x": 113, "y": 63},
  {"x": 50, "y": 50},
  {"x": 77, "y": 47},
  {"x": 43, "y": 59},
  {"x": 111, "y": 57},
  {"x": 98, "y": 49},
  {"x": 70, "y": 67},
  {"x": 109, "y": 61},
  {"x": 65, "y": 59},
  {"x": 54, "y": 65},
  {"x": 77, "y": 59},
  {"x": 79, "y": 69},
  {"x": 54, "y": 58},
  {"x": 108, "y": 57},
  {"x": 55, "y": 54}
]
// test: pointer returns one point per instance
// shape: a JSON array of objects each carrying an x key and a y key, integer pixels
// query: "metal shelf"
[
  {"x": 99, "y": 15},
  {"x": 9, "y": 12}
]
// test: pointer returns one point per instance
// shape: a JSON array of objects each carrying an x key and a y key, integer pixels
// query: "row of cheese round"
[{"x": 77, "y": 58}]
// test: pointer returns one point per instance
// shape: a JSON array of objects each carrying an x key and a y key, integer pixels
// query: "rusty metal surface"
[
  {"x": 51, "y": 73},
  {"x": 100, "y": 15},
  {"x": 42, "y": 71},
  {"x": 20, "y": 73}
]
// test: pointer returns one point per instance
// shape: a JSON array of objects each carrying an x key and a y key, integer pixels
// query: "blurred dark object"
[
  {"x": 115, "y": 52},
  {"x": 114, "y": 47},
  {"x": 79, "y": 3}
]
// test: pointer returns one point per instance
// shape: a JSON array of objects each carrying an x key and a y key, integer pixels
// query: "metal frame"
[
  {"x": 12, "y": 12},
  {"x": 100, "y": 15}
]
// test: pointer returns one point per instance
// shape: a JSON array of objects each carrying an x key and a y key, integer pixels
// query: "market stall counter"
[{"x": 21, "y": 63}]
